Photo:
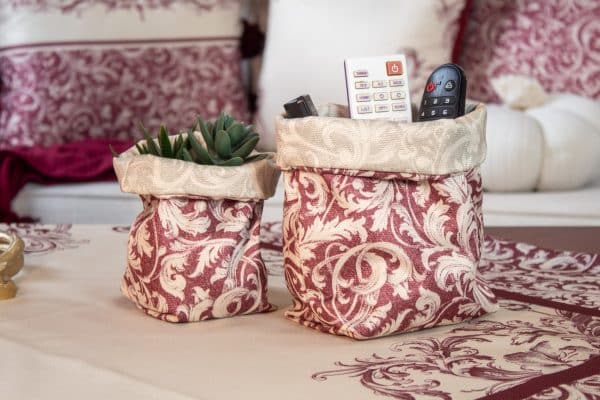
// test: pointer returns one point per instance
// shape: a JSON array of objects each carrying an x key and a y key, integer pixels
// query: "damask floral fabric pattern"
[
  {"x": 554, "y": 41},
  {"x": 369, "y": 254},
  {"x": 192, "y": 259},
  {"x": 498, "y": 356},
  {"x": 559, "y": 276},
  {"x": 463, "y": 363},
  {"x": 94, "y": 69},
  {"x": 43, "y": 239},
  {"x": 51, "y": 96},
  {"x": 78, "y": 6},
  {"x": 332, "y": 140}
]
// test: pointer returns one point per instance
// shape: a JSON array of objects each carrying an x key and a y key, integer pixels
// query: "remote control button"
[
  {"x": 398, "y": 95},
  {"x": 399, "y": 106},
  {"x": 378, "y": 84},
  {"x": 363, "y": 97},
  {"x": 379, "y": 96},
  {"x": 361, "y": 73},
  {"x": 422, "y": 115},
  {"x": 382, "y": 108},
  {"x": 394, "y": 67},
  {"x": 396, "y": 82},
  {"x": 448, "y": 100},
  {"x": 450, "y": 85},
  {"x": 426, "y": 102},
  {"x": 446, "y": 111},
  {"x": 364, "y": 109},
  {"x": 435, "y": 101},
  {"x": 432, "y": 112},
  {"x": 361, "y": 84},
  {"x": 430, "y": 87}
]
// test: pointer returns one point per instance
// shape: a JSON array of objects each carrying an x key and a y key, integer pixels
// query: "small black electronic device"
[
  {"x": 300, "y": 107},
  {"x": 445, "y": 93}
]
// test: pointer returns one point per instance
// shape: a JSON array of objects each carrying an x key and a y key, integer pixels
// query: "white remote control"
[{"x": 377, "y": 87}]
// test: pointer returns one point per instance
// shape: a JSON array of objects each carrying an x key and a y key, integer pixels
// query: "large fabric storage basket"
[{"x": 382, "y": 222}]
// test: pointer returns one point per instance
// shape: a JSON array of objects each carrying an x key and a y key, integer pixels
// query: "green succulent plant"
[{"x": 227, "y": 142}]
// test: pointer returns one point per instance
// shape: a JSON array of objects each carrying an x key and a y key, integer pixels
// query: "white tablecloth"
[{"x": 71, "y": 334}]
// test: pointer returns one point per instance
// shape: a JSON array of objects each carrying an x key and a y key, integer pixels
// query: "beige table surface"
[{"x": 71, "y": 334}]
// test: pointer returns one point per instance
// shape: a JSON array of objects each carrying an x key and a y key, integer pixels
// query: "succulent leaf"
[
  {"x": 180, "y": 144},
  {"x": 236, "y": 133},
  {"x": 235, "y": 161},
  {"x": 140, "y": 149},
  {"x": 152, "y": 147},
  {"x": 177, "y": 146},
  {"x": 219, "y": 125},
  {"x": 206, "y": 134},
  {"x": 199, "y": 151},
  {"x": 228, "y": 121},
  {"x": 166, "y": 150},
  {"x": 256, "y": 157},
  {"x": 186, "y": 155},
  {"x": 247, "y": 139},
  {"x": 246, "y": 148},
  {"x": 223, "y": 144}
]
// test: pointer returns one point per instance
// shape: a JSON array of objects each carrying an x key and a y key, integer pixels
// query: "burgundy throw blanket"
[{"x": 83, "y": 161}]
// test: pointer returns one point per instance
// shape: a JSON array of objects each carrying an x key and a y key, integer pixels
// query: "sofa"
[{"x": 304, "y": 45}]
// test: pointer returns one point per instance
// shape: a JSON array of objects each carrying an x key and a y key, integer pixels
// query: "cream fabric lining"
[
  {"x": 164, "y": 177},
  {"x": 439, "y": 147}
]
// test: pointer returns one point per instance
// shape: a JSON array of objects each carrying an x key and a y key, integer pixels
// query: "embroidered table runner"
[{"x": 70, "y": 333}]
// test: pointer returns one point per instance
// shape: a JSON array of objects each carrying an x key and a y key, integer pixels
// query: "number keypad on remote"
[
  {"x": 444, "y": 94},
  {"x": 378, "y": 88}
]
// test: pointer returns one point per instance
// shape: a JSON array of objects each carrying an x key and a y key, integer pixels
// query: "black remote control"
[
  {"x": 300, "y": 107},
  {"x": 445, "y": 93}
]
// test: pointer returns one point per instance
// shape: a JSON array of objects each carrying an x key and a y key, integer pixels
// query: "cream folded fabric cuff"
[
  {"x": 165, "y": 177},
  {"x": 444, "y": 146}
]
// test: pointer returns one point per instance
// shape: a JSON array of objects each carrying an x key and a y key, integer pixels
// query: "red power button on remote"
[{"x": 430, "y": 87}]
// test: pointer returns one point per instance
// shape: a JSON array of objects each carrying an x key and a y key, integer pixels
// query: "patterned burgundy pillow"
[
  {"x": 555, "y": 41},
  {"x": 95, "y": 68}
]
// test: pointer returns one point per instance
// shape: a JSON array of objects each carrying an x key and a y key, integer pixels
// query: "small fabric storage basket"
[
  {"x": 382, "y": 222},
  {"x": 194, "y": 250}
]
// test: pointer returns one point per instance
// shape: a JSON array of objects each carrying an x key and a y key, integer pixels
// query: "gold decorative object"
[{"x": 11, "y": 262}]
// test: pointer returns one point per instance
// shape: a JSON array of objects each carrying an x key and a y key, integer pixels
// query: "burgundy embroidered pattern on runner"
[
  {"x": 559, "y": 276},
  {"x": 43, "y": 239},
  {"x": 534, "y": 351},
  {"x": 463, "y": 363}
]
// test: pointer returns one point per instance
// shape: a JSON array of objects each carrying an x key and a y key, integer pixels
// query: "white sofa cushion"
[{"x": 104, "y": 203}]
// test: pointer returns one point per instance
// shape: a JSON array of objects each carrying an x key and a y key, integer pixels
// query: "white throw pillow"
[
  {"x": 307, "y": 42},
  {"x": 552, "y": 146},
  {"x": 515, "y": 144}
]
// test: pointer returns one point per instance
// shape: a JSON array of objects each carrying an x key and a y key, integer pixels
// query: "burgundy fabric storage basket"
[
  {"x": 382, "y": 222},
  {"x": 194, "y": 251}
]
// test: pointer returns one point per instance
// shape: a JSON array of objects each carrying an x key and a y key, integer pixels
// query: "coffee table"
[{"x": 71, "y": 334}]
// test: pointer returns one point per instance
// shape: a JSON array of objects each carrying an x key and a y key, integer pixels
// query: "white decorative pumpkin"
[{"x": 538, "y": 141}]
